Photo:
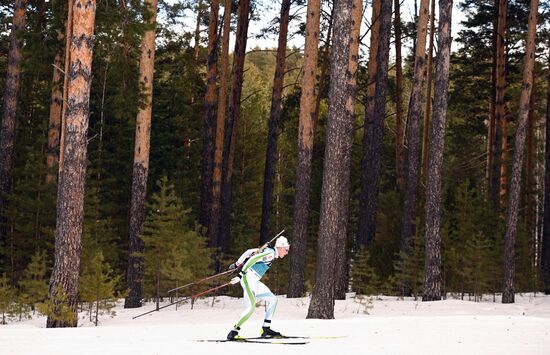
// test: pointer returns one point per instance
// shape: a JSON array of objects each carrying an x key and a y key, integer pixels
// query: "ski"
[
  {"x": 257, "y": 340},
  {"x": 300, "y": 337}
]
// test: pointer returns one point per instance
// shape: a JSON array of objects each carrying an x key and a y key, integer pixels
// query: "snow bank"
[{"x": 392, "y": 326}]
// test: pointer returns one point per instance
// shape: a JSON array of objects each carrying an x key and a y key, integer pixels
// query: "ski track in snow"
[{"x": 392, "y": 326}]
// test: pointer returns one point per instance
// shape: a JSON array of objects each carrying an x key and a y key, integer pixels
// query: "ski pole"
[
  {"x": 201, "y": 280},
  {"x": 193, "y": 297}
]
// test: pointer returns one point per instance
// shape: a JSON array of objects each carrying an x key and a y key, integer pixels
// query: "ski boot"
[
  {"x": 233, "y": 334},
  {"x": 267, "y": 332}
]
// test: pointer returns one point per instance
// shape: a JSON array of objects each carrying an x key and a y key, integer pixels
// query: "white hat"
[{"x": 282, "y": 242}]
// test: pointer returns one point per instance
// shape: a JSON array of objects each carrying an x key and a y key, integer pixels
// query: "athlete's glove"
[{"x": 233, "y": 266}]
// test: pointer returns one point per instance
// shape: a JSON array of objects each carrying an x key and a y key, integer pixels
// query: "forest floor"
[{"x": 391, "y": 326}]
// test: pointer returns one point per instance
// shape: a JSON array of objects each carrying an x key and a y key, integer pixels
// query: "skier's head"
[{"x": 282, "y": 246}]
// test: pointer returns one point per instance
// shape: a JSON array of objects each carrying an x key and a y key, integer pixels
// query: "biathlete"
[{"x": 253, "y": 264}]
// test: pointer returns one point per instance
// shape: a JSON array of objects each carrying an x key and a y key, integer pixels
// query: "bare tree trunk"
[
  {"x": 274, "y": 123},
  {"x": 433, "y": 265},
  {"x": 213, "y": 230},
  {"x": 72, "y": 174},
  {"x": 198, "y": 31},
  {"x": 500, "y": 109},
  {"x": 513, "y": 198},
  {"x": 297, "y": 274},
  {"x": 336, "y": 171},
  {"x": 324, "y": 62},
  {"x": 413, "y": 130},
  {"x": 232, "y": 122},
  {"x": 399, "y": 127},
  {"x": 545, "y": 248},
  {"x": 342, "y": 265},
  {"x": 209, "y": 121},
  {"x": 9, "y": 117},
  {"x": 492, "y": 131},
  {"x": 134, "y": 275},
  {"x": 56, "y": 105},
  {"x": 530, "y": 177},
  {"x": 372, "y": 143},
  {"x": 427, "y": 112}
]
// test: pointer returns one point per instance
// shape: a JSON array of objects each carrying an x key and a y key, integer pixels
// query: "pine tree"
[
  {"x": 477, "y": 260},
  {"x": 174, "y": 252},
  {"x": 97, "y": 286},
  {"x": 364, "y": 279},
  {"x": 7, "y": 296},
  {"x": 33, "y": 287}
]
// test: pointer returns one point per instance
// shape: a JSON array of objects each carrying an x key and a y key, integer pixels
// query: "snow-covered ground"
[{"x": 392, "y": 326}]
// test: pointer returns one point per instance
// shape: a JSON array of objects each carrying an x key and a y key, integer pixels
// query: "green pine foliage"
[
  {"x": 477, "y": 268},
  {"x": 175, "y": 253},
  {"x": 33, "y": 287},
  {"x": 364, "y": 280},
  {"x": 56, "y": 307},
  {"x": 7, "y": 298},
  {"x": 97, "y": 287},
  {"x": 409, "y": 270}
]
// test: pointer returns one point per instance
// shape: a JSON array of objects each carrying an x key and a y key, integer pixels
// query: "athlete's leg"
[{"x": 264, "y": 293}]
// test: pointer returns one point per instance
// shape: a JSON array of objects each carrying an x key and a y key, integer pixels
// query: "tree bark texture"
[
  {"x": 491, "y": 139},
  {"x": 413, "y": 130},
  {"x": 399, "y": 126},
  {"x": 134, "y": 273},
  {"x": 11, "y": 93},
  {"x": 372, "y": 143},
  {"x": 209, "y": 122},
  {"x": 427, "y": 111},
  {"x": 545, "y": 249},
  {"x": 214, "y": 219},
  {"x": 54, "y": 128},
  {"x": 336, "y": 169},
  {"x": 521, "y": 132},
  {"x": 197, "y": 47},
  {"x": 68, "y": 37},
  {"x": 306, "y": 121},
  {"x": 70, "y": 193},
  {"x": 274, "y": 123},
  {"x": 341, "y": 281},
  {"x": 433, "y": 264},
  {"x": 500, "y": 105},
  {"x": 232, "y": 122}
]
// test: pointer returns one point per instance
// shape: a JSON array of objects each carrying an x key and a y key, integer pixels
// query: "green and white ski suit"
[{"x": 252, "y": 271}]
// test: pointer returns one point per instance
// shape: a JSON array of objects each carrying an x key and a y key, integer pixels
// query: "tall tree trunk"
[
  {"x": 342, "y": 255},
  {"x": 214, "y": 220},
  {"x": 513, "y": 198},
  {"x": 413, "y": 130},
  {"x": 232, "y": 121},
  {"x": 324, "y": 62},
  {"x": 399, "y": 127},
  {"x": 372, "y": 143},
  {"x": 545, "y": 249},
  {"x": 492, "y": 129},
  {"x": 500, "y": 109},
  {"x": 427, "y": 112},
  {"x": 56, "y": 104},
  {"x": 274, "y": 123},
  {"x": 68, "y": 38},
  {"x": 72, "y": 174},
  {"x": 197, "y": 47},
  {"x": 297, "y": 274},
  {"x": 9, "y": 117},
  {"x": 530, "y": 177},
  {"x": 336, "y": 171},
  {"x": 134, "y": 275},
  {"x": 209, "y": 121},
  {"x": 433, "y": 267}
]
